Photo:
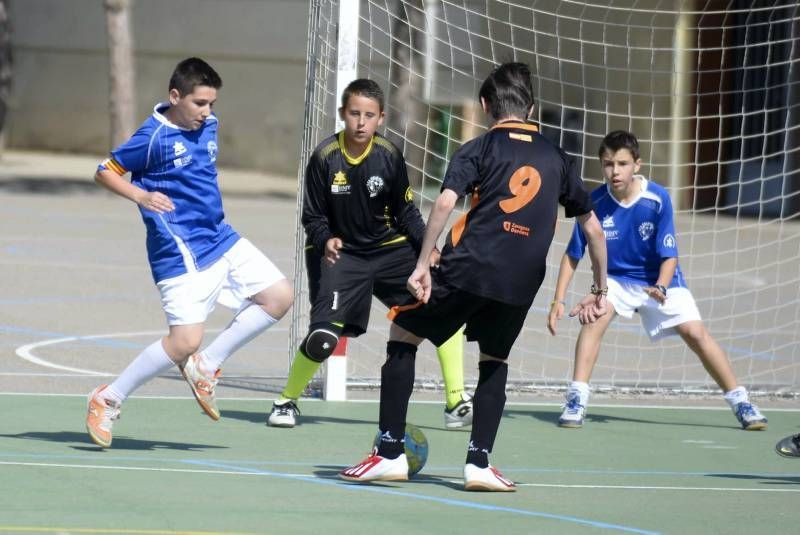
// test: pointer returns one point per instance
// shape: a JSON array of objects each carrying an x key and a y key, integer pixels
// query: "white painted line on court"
[
  {"x": 314, "y": 476},
  {"x": 25, "y": 352}
]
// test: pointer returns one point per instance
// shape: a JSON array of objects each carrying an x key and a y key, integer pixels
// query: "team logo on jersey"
[
  {"x": 669, "y": 241},
  {"x": 608, "y": 221},
  {"x": 409, "y": 195},
  {"x": 515, "y": 228},
  {"x": 646, "y": 230},
  {"x": 178, "y": 148},
  {"x": 374, "y": 185},
  {"x": 212, "y": 150},
  {"x": 340, "y": 184}
]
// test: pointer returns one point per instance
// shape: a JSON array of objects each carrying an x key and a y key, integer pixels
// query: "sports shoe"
[
  {"x": 100, "y": 417},
  {"x": 377, "y": 468},
  {"x": 202, "y": 385},
  {"x": 486, "y": 479},
  {"x": 789, "y": 446},
  {"x": 749, "y": 416},
  {"x": 460, "y": 415},
  {"x": 572, "y": 416},
  {"x": 283, "y": 414}
]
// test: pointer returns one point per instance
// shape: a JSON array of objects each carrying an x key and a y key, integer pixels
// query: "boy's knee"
[
  {"x": 277, "y": 299},
  {"x": 183, "y": 345}
]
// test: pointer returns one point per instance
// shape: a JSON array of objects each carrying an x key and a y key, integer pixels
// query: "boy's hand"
[
  {"x": 555, "y": 314},
  {"x": 332, "y": 247},
  {"x": 655, "y": 294},
  {"x": 419, "y": 284},
  {"x": 590, "y": 308},
  {"x": 155, "y": 202}
]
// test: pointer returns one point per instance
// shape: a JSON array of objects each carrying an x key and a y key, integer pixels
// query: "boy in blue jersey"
[
  {"x": 195, "y": 257},
  {"x": 491, "y": 268},
  {"x": 643, "y": 276},
  {"x": 363, "y": 232}
]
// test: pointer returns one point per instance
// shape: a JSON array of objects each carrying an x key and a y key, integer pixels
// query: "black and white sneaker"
[
  {"x": 789, "y": 446},
  {"x": 460, "y": 415},
  {"x": 283, "y": 414}
]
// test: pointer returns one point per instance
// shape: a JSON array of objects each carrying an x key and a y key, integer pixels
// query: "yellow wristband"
[{"x": 554, "y": 301}]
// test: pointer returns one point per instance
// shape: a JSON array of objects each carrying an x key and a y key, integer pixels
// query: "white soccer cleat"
[
  {"x": 377, "y": 468},
  {"x": 283, "y": 414},
  {"x": 460, "y": 415},
  {"x": 573, "y": 414},
  {"x": 486, "y": 479}
]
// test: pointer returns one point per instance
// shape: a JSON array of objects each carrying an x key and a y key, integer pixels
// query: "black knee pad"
[{"x": 320, "y": 342}]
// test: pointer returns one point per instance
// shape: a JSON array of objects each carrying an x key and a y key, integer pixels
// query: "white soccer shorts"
[
  {"x": 242, "y": 272},
  {"x": 659, "y": 321}
]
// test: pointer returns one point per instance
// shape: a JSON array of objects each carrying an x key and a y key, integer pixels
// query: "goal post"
[{"x": 712, "y": 91}]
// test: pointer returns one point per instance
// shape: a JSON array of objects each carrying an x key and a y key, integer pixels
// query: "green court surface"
[{"x": 173, "y": 470}]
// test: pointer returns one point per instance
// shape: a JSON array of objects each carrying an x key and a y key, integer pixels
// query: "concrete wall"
[{"x": 59, "y": 99}]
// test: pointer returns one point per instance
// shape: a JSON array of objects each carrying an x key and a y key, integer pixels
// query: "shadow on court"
[
  {"x": 592, "y": 418},
  {"x": 765, "y": 479},
  {"x": 120, "y": 443},
  {"x": 50, "y": 186},
  {"x": 332, "y": 472},
  {"x": 260, "y": 417}
]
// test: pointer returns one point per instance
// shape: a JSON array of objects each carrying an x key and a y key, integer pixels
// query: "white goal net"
[{"x": 711, "y": 89}]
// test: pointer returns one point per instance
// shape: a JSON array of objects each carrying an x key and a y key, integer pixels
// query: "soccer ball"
[{"x": 416, "y": 448}]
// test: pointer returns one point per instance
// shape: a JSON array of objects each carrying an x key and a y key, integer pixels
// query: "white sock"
[
  {"x": 582, "y": 389},
  {"x": 150, "y": 363},
  {"x": 736, "y": 396},
  {"x": 247, "y": 324}
]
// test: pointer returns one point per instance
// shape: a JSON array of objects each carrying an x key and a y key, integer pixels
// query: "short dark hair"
[
  {"x": 365, "y": 88},
  {"x": 508, "y": 91},
  {"x": 191, "y": 73},
  {"x": 617, "y": 140}
]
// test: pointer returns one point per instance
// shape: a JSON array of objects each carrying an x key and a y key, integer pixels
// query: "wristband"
[
  {"x": 595, "y": 290},
  {"x": 557, "y": 301},
  {"x": 661, "y": 289}
]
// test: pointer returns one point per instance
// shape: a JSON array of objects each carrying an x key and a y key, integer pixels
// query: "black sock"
[
  {"x": 397, "y": 383},
  {"x": 488, "y": 403}
]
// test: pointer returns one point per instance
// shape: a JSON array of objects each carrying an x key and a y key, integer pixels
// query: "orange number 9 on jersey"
[{"x": 524, "y": 185}]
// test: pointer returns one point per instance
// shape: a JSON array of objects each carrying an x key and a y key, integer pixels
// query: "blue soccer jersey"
[
  {"x": 639, "y": 235},
  {"x": 181, "y": 164}
]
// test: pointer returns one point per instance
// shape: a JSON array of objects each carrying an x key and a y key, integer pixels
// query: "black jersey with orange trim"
[
  {"x": 364, "y": 200},
  {"x": 517, "y": 179}
]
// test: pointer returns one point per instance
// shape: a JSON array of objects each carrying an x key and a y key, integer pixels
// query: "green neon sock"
[
  {"x": 303, "y": 369},
  {"x": 451, "y": 359}
]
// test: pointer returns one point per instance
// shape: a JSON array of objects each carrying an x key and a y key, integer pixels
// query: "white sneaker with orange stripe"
[
  {"x": 100, "y": 417},
  {"x": 377, "y": 468},
  {"x": 202, "y": 384},
  {"x": 486, "y": 479}
]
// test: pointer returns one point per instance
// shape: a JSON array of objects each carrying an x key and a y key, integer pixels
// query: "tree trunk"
[
  {"x": 5, "y": 66},
  {"x": 122, "y": 102}
]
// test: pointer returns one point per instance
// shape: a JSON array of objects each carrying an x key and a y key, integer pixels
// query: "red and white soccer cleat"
[
  {"x": 100, "y": 417},
  {"x": 486, "y": 479},
  {"x": 377, "y": 468}
]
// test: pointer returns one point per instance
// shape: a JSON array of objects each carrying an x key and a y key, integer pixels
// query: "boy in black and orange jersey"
[
  {"x": 491, "y": 268},
  {"x": 364, "y": 232}
]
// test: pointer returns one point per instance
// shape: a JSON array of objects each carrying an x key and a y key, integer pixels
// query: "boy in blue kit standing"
[
  {"x": 491, "y": 268},
  {"x": 196, "y": 258},
  {"x": 643, "y": 276}
]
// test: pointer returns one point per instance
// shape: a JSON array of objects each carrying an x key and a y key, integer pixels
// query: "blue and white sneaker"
[
  {"x": 573, "y": 414},
  {"x": 749, "y": 416}
]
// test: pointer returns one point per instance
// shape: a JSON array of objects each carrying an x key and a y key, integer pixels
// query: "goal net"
[{"x": 711, "y": 89}]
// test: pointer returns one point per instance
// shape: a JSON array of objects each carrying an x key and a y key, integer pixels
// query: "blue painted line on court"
[{"x": 435, "y": 499}]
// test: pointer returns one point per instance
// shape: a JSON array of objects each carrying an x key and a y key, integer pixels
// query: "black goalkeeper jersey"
[
  {"x": 516, "y": 178},
  {"x": 365, "y": 201}
]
